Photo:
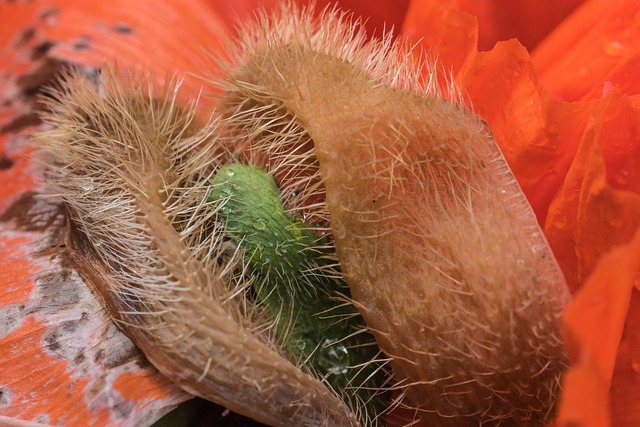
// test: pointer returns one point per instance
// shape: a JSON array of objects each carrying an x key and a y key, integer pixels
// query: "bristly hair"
[
  {"x": 133, "y": 165},
  {"x": 337, "y": 33},
  {"x": 264, "y": 122}
]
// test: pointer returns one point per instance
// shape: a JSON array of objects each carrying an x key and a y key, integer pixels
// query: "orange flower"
[{"x": 566, "y": 115}]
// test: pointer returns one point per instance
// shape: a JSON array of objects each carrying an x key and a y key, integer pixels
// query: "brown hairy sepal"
[
  {"x": 442, "y": 252},
  {"x": 132, "y": 165}
]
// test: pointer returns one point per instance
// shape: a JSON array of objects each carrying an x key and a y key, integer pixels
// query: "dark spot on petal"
[
  {"x": 29, "y": 215},
  {"x": 42, "y": 419},
  {"x": 32, "y": 83},
  {"x": 5, "y": 163},
  {"x": 31, "y": 87},
  {"x": 58, "y": 293},
  {"x": 123, "y": 28},
  {"x": 79, "y": 358},
  {"x": 41, "y": 49},
  {"x": 48, "y": 13},
  {"x": 5, "y": 399},
  {"x": 24, "y": 37},
  {"x": 51, "y": 341},
  {"x": 70, "y": 325},
  {"x": 20, "y": 122},
  {"x": 122, "y": 409},
  {"x": 82, "y": 43},
  {"x": 120, "y": 355}
]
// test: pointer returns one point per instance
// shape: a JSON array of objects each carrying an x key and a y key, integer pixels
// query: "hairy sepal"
[
  {"x": 441, "y": 249},
  {"x": 132, "y": 165}
]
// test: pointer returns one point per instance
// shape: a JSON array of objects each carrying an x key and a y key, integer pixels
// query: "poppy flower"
[{"x": 561, "y": 99}]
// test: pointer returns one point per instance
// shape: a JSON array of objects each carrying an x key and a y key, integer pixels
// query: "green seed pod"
[{"x": 295, "y": 278}]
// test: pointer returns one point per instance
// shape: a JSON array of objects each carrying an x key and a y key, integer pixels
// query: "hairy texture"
[
  {"x": 442, "y": 252},
  {"x": 133, "y": 167}
]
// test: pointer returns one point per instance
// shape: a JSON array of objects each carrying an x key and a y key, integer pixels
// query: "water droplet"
[
  {"x": 86, "y": 184},
  {"x": 559, "y": 222},
  {"x": 616, "y": 222},
  {"x": 334, "y": 357},
  {"x": 635, "y": 364},
  {"x": 230, "y": 172},
  {"x": 607, "y": 86},
  {"x": 259, "y": 224},
  {"x": 622, "y": 177},
  {"x": 614, "y": 48}
]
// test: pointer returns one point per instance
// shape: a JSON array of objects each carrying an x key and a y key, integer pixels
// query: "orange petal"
[
  {"x": 165, "y": 36},
  {"x": 625, "y": 385},
  {"x": 619, "y": 134},
  {"x": 593, "y": 326},
  {"x": 594, "y": 320},
  {"x": 231, "y": 12},
  {"x": 16, "y": 170},
  {"x": 537, "y": 135},
  {"x": 441, "y": 29},
  {"x": 378, "y": 16},
  {"x": 584, "y": 402},
  {"x": 600, "y": 39},
  {"x": 527, "y": 20},
  {"x": 589, "y": 216}
]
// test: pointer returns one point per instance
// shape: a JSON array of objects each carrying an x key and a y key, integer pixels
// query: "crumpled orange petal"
[
  {"x": 527, "y": 20},
  {"x": 584, "y": 402},
  {"x": 589, "y": 216},
  {"x": 537, "y": 135}
]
